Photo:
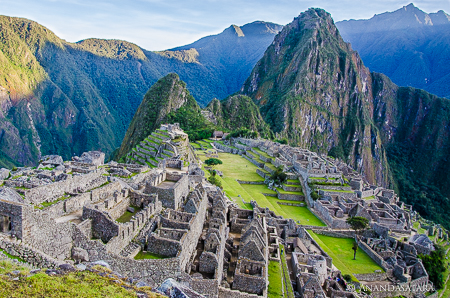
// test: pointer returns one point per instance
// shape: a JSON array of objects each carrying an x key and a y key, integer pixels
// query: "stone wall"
[
  {"x": 28, "y": 254},
  {"x": 14, "y": 211},
  {"x": 290, "y": 197},
  {"x": 373, "y": 255},
  {"x": 372, "y": 276},
  {"x": 152, "y": 271},
  {"x": 72, "y": 185},
  {"x": 103, "y": 226},
  {"x": 228, "y": 293},
  {"x": 43, "y": 233}
]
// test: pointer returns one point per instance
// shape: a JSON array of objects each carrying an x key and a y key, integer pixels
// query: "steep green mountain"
[
  {"x": 234, "y": 112},
  {"x": 65, "y": 98},
  {"x": 314, "y": 89},
  {"x": 167, "y": 101},
  {"x": 408, "y": 45}
]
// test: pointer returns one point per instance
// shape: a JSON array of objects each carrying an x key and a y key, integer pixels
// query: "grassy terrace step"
[
  {"x": 236, "y": 167},
  {"x": 282, "y": 191},
  {"x": 271, "y": 166},
  {"x": 160, "y": 136},
  {"x": 262, "y": 153},
  {"x": 150, "y": 165},
  {"x": 340, "y": 250},
  {"x": 291, "y": 182}
]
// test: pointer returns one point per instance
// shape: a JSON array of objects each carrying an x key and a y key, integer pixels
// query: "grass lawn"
[
  {"x": 262, "y": 153},
  {"x": 236, "y": 167},
  {"x": 293, "y": 182},
  {"x": 340, "y": 250},
  {"x": 147, "y": 255},
  {"x": 275, "y": 289},
  {"x": 289, "y": 293},
  {"x": 205, "y": 144},
  {"x": 369, "y": 198},
  {"x": 195, "y": 145},
  {"x": 282, "y": 191},
  {"x": 126, "y": 217}
]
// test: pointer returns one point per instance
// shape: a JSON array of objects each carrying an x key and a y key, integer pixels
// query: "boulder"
[
  {"x": 52, "y": 160},
  {"x": 174, "y": 289},
  {"x": 91, "y": 157},
  {"x": 67, "y": 268},
  {"x": 80, "y": 255},
  {"x": 101, "y": 263},
  {"x": 130, "y": 209},
  {"x": 4, "y": 173}
]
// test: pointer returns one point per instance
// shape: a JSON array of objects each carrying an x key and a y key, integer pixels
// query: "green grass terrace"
[
  {"x": 235, "y": 168},
  {"x": 340, "y": 250}
]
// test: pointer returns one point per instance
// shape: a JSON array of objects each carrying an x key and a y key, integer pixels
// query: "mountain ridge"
[
  {"x": 408, "y": 45},
  {"x": 314, "y": 89},
  {"x": 65, "y": 98}
]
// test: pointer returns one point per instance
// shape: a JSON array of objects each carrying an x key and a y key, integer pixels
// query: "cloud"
[{"x": 158, "y": 25}]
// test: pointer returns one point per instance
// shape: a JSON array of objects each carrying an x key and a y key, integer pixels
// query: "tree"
[
  {"x": 355, "y": 248},
  {"x": 358, "y": 223},
  {"x": 279, "y": 176},
  {"x": 214, "y": 180},
  {"x": 434, "y": 263},
  {"x": 213, "y": 162}
]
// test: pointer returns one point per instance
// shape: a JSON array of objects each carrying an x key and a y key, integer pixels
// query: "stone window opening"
[{"x": 5, "y": 224}]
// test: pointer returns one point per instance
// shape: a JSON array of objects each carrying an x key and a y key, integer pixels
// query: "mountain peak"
[{"x": 237, "y": 30}]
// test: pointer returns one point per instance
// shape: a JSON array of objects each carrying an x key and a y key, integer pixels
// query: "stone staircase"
[
  {"x": 131, "y": 250},
  {"x": 151, "y": 151}
]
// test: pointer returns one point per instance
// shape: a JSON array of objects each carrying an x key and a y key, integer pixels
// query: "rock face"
[
  {"x": 313, "y": 88},
  {"x": 408, "y": 45}
]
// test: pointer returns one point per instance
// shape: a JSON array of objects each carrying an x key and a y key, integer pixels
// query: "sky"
[{"x": 164, "y": 24}]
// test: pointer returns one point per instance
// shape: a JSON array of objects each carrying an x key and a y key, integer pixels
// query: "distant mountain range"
[
  {"x": 408, "y": 45},
  {"x": 65, "y": 98}
]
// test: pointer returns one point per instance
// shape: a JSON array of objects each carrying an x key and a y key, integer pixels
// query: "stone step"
[
  {"x": 160, "y": 136},
  {"x": 155, "y": 139},
  {"x": 163, "y": 132},
  {"x": 145, "y": 151}
]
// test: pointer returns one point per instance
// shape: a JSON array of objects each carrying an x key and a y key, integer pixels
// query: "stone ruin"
[{"x": 162, "y": 223}]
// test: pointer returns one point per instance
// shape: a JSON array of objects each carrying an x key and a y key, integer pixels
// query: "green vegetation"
[
  {"x": 238, "y": 114},
  {"x": 288, "y": 291},
  {"x": 126, "y": 217},
  {"x": 213, "y": 162},
  {"x": 214, "y": 179},
  {"x": 358, "y": 223},
  {"x": 74, "y": 284},
  {"x": 435, "y": 265},
  {"x": 48, "y": 204},
  {"x": 147, "y": 255},
  {"x": 236, "y": 167},
  {"x": 275, "y": 288},
  {"x": 279, "y": 176},
  {"x": 340, "y": 250}
]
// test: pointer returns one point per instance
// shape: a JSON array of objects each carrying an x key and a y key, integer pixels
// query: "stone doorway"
[{"x": 5, "y": 224}]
